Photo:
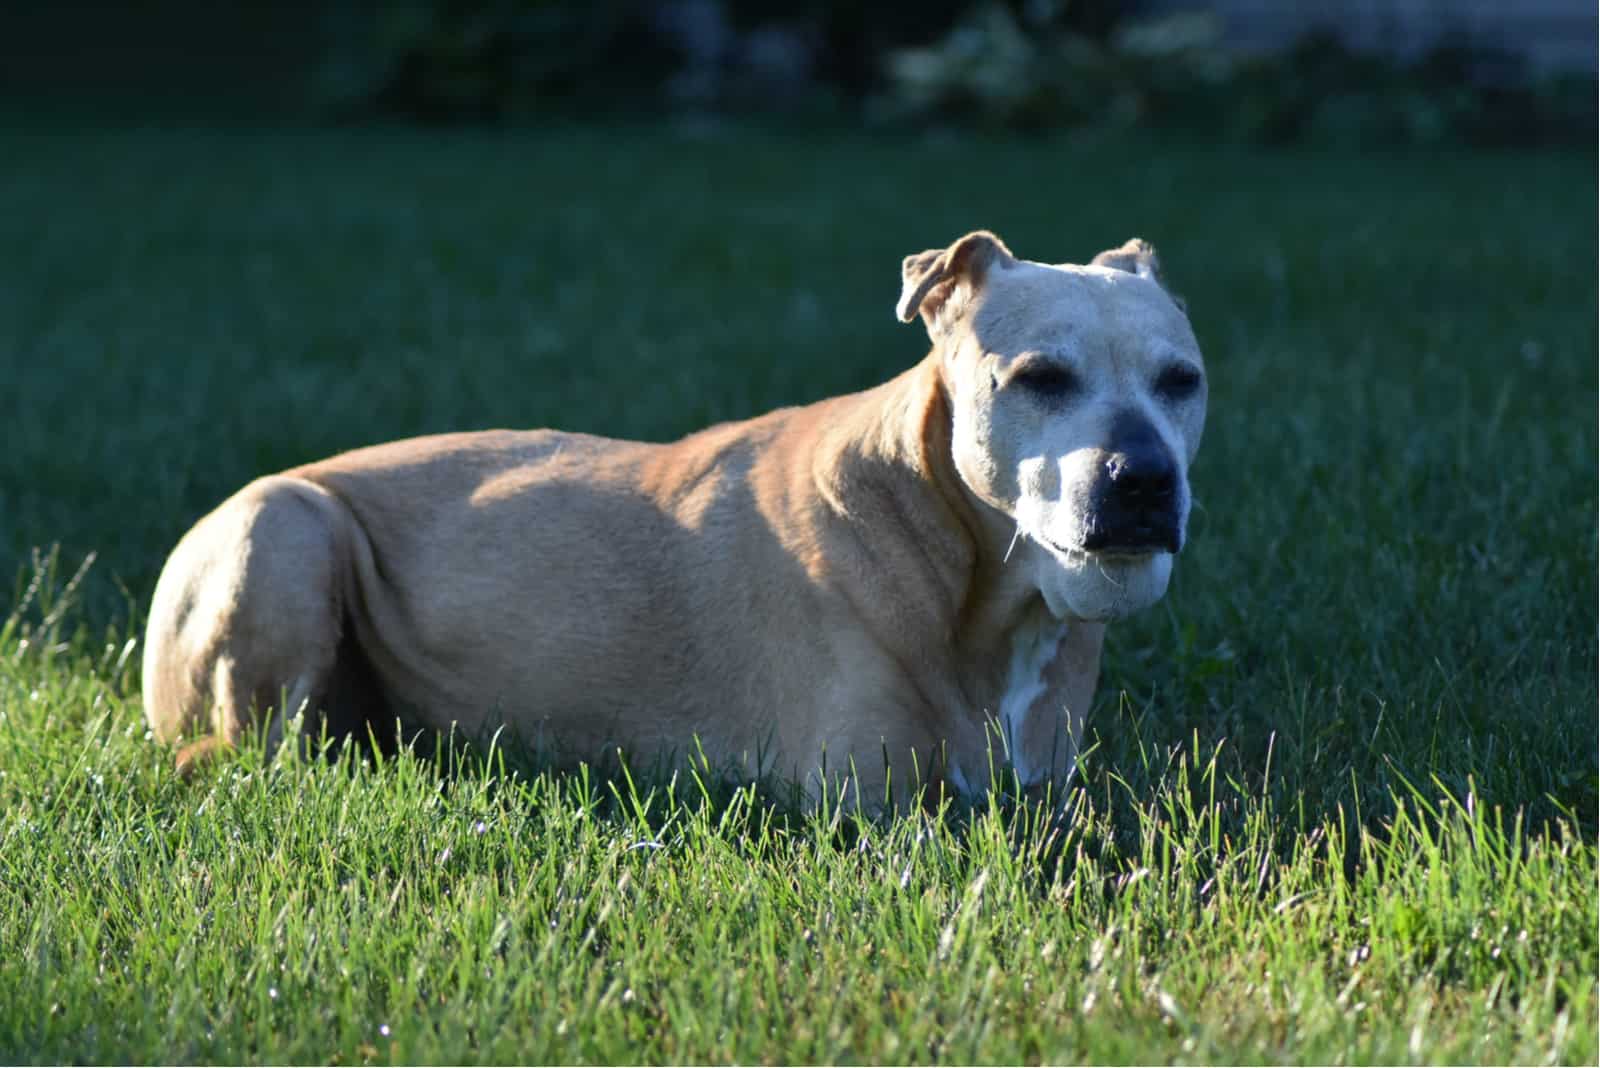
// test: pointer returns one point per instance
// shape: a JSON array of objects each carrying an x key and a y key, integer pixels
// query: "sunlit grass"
[{"x": 1341, "y": 804}]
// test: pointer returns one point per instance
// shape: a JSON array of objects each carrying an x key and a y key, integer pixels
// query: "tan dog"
[{"x": 912, "y": 581}]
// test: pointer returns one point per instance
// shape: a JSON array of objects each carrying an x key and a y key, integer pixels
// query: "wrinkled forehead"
[{"x": 1035, "y": 307}]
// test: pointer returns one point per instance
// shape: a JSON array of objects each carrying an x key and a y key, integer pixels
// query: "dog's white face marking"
[
  {"x": 1079, "y": 398},
  {"x": 1033, "y": 646}
]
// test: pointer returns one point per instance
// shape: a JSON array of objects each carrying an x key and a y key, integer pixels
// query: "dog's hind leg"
[{"x": 246, "y": 621}]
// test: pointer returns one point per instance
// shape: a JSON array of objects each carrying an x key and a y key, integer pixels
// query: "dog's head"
[{"x": 1078, "y": 395}]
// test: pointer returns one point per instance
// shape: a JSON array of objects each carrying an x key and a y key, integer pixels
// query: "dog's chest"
[{"x": 1033, "y": 647}]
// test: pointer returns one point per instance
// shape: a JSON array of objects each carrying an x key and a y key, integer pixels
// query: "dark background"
[{"x": 1351, "y": 71}]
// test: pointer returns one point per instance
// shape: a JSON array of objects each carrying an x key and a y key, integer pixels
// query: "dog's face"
[{"x": 1078, "y": 396}]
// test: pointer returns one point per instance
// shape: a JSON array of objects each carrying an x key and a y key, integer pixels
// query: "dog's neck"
[
  {"x": 968, "y": 626},
  {"x": 887, "y": 454}
]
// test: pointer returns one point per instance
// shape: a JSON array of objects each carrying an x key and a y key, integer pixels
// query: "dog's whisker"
[
  {"x": 1014, "y": 539},
  {"x": 1101, "y": 567}
]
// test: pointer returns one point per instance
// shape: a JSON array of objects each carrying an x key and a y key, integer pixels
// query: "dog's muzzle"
[{"x": 1134, "y": 502}]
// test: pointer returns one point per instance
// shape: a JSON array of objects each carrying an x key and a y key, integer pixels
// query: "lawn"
[{"x": 1342, "y": 805}]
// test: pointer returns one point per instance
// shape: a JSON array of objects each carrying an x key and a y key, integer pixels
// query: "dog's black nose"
[
  {"x": 1134, "y": 504},
  {"x": 1142, "y": 474}
]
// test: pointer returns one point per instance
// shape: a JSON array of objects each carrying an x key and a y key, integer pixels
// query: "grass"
[{"x": 1342, "y": 806}]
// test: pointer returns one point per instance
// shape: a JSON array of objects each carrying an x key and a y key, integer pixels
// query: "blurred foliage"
[
  {"x": 1020, "y": 64},
  {"x": 474, "y": 59},
  {"x": 994, "y": 70}
]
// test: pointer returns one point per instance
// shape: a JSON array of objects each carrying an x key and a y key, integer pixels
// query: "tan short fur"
[{"x": 868, "y": 579}]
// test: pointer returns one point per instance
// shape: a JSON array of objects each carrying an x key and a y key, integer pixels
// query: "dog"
[{"x": 899, "y": 589}]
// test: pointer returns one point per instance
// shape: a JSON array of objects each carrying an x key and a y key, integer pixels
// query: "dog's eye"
[
  {"x": 1046, "y": 380},
  {"x": 1178, "y": 381}
]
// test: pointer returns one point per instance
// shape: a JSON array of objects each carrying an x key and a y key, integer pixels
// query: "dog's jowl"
[{"x": 898, "y": 588}]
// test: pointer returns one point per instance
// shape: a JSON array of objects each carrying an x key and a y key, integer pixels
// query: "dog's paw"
[{"x": 192, "y": 757}]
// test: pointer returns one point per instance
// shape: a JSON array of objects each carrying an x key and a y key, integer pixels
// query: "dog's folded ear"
[
  {"x": 939, "y": 282},
  {"x": 1136, "y": 256}
]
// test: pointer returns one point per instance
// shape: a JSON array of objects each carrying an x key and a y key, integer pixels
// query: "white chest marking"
[{"x": 1033, "y": 646}]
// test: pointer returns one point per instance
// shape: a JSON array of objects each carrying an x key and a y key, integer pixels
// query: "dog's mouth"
[
  {"x": 1110, "y": 554},
  {"x": 1100, "y": 583}
]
